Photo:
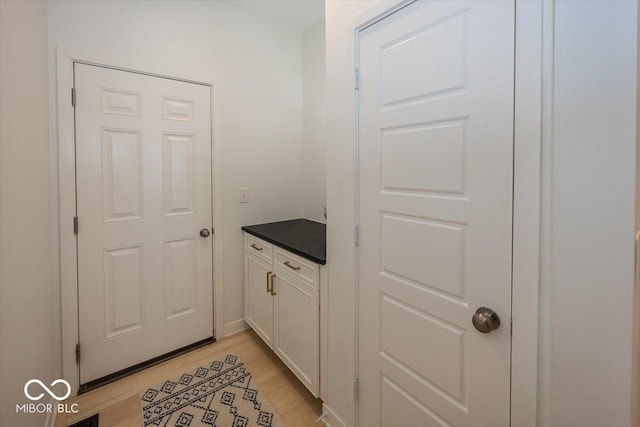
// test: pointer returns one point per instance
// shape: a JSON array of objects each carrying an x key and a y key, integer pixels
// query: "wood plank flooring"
[{"x": 119, "y": 406}]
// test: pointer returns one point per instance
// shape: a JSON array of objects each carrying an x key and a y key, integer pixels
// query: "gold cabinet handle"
[
  {"x": 257, "y": 248},
  {"x": 291, "y": 266},
  {"x": 272, "y": 291},
  {"x": 268, "y": 274}
]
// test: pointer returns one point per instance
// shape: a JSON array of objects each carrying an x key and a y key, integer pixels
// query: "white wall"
[
  {"x": 26, "y": 307},
  {"x": 635, "y": 362},
  {"x": 256, "y": 68},
  {"x": 340, "y": 137},
  {"x": 592, "y": 212},
  {"x": 313, "y": 124}
]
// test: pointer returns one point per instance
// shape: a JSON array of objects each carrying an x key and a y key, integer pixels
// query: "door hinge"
[
  {"x": 75, "y": 225},
  {"x": 356, "y": 78},
  {"x": 73, "y": 96},
  {"x": 356, "y": 236},
  {"x": 356, "y": 389},
  {"x": 77, "y": 352}
]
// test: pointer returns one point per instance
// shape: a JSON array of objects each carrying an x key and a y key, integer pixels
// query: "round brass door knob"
[
  {"x": 486, "y": 320},
  {"x": 204, "y": 232}
]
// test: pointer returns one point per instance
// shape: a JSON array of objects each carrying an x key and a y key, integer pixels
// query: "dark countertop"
[{"x": 300, "y": 236}]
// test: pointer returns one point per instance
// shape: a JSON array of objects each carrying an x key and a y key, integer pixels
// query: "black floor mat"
[{"x": 88, "y": 422}]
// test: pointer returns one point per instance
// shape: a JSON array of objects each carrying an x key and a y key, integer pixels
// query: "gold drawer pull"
[
  {"x": 291, "y": 266},
  {"x": 257, "y": 248}
]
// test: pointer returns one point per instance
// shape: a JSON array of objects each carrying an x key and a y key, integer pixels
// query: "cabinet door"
[
  {"x": 298, "y": 328},
  {"x": 258, "y": 302}
]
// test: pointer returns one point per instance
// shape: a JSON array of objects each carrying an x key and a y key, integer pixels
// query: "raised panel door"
[
  {"x": 143, "y": 194},
  {"x": 298, "y": 328},
  {"x": 258, "y": 301},
  {"x": 435, "y": 214}
]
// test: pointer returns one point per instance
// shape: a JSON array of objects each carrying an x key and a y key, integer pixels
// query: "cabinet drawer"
[
  {"x": 258, "y": 247},
  {"x": 300, "y": 268}
]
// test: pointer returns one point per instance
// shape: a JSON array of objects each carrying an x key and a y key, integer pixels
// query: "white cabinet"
[
  {"x": 297, "y": 317},
  {"x": 282, "y": 305},
  {"x": 258, "y": 310}
]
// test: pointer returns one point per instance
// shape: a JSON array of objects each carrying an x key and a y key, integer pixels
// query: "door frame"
[
  {"x": 67, "y": 206},
  {"x": 532, "y": 57}
]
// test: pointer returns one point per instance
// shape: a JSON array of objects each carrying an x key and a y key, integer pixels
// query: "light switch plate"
[{"x": 244, "y": 195}]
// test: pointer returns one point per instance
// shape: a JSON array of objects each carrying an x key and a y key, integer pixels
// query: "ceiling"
[{"x": 296, "y": 15}]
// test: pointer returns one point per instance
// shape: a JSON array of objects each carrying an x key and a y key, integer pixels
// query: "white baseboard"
[
  {"x": 235, "y": 327},
  {"x": 326, "y": 423},
  {"x": 332, "y": 419}
]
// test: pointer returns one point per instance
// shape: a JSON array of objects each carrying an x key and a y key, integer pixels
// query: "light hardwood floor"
[{"x": 119, "y": 406}]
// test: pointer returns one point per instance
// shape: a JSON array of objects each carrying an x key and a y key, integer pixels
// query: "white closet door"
[
  {"x": 143, "y": 159},
  {"x": 435, "y": 213}
]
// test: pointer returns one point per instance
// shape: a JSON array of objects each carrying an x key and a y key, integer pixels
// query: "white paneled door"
[
  {"x": 143, "y": 165},
  {"x": 435, "y": 212}
]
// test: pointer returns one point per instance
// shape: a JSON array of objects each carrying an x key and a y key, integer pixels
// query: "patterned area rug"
[{"x": 222, "y": 394}]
